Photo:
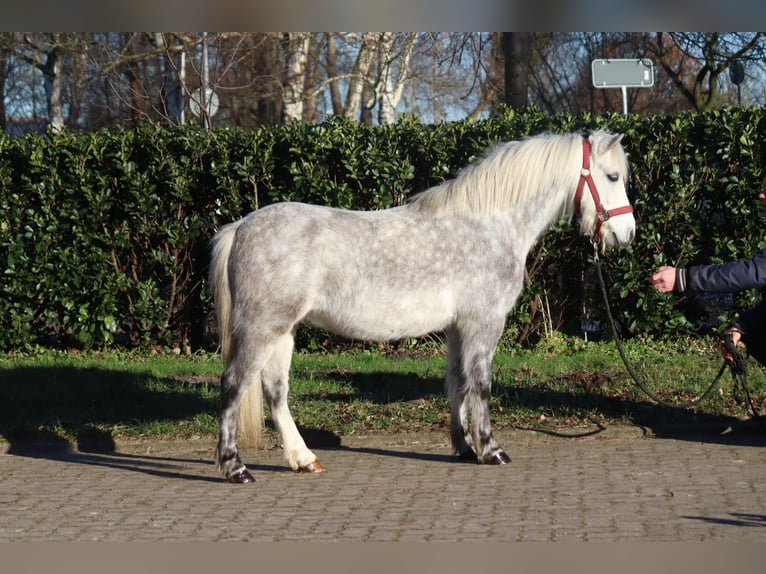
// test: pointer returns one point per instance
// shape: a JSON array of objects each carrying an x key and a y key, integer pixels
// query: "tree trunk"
[
  {"x": 389, "y": 92},
  {"x": 3, "y": 75},
  {"x": 171, "y": 92},
  {"x": 332, "y": 72},
  {"x": 516, "y": 49},
  {"x": 360, "y": 76},
  {"x": 296, "y": 45},
  {"x": 53, "y": 88}
]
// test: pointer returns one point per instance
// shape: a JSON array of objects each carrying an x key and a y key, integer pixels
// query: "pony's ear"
[{"x": 609, "y": 141}]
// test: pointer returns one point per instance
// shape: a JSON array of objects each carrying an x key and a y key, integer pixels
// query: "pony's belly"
[{"x": 383, "y": 323}]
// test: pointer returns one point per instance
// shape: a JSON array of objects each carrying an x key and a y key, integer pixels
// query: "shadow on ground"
[
  {"x": 734, "y": 519},
  {"x": 82, "y": 402},
  {"x": 581, "y": 398},
  {"x": 200, "y": 469}
]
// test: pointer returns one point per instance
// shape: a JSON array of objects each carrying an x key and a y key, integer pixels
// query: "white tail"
[{"x": 250, "y": 424}]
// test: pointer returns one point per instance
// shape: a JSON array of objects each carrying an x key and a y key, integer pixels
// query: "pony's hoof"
[
  {"x": 241, "y": 477},
  {"x": 498, "y": 458},
  {"x": 312, "y": 467}
]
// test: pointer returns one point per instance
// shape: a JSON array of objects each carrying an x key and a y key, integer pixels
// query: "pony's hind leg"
[
  {"x": 275, "y": 376},
  {"x": 457, "y": 392},
  {"x": 234, "y": 383}
]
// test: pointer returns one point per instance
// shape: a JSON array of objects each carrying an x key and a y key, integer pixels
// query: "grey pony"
[{"x": 450, "y": 260}]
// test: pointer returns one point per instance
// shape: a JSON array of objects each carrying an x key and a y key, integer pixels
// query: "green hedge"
[{"x": 104, "y": 236}]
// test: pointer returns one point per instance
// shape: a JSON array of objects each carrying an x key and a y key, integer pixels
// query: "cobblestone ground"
[{"x": 627, "y": 488}]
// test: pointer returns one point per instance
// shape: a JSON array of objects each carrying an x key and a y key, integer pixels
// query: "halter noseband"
[{"x": 586, "y": 177}]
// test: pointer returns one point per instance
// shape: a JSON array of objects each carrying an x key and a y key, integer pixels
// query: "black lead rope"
[
  {"x": 737, "y": 365},
  {"x": 739, "y": 371}
]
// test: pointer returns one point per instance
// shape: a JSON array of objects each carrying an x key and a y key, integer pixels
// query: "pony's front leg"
[
  {"x": 226, "y": 453},
  {"x": 459, "y": 436},
  {"x": 487, "y": 449},
  {"x": 478, "y": 342}
]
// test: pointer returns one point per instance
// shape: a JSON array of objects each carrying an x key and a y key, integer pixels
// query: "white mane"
[{"x": 509, "y": 174}]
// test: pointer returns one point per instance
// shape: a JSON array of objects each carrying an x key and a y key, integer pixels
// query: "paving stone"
[{"x": 625, "y": 487}]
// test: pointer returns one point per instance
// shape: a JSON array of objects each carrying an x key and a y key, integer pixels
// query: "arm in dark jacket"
[
  {"x": 724, "y": 278},
  {"x": 730, "y": 278}
]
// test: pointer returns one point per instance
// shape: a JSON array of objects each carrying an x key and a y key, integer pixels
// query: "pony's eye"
[{"x": 613, "y": 176}]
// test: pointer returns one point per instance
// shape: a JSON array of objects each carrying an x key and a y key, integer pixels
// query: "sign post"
[{"x": 623, "y": 73}]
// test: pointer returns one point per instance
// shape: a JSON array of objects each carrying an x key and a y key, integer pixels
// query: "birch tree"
[
  {"x": 393, "y": 73},
  {"x": 360, "y": 75},
  {"x": 331, "y": 58},
  {"x": 296, "y": 46}
]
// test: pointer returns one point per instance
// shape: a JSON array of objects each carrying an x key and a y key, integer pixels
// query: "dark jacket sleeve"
[{"x": 724, "y": 278}]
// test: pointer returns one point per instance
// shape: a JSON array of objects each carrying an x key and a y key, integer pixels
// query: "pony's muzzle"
[{"x": 619, "y": 232}]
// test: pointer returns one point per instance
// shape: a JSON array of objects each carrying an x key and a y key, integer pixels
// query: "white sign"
[
  {"x": 211, "y": 102},
  {"x": 619, "y": 72}
]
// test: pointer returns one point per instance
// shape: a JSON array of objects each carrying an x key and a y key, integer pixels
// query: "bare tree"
[
  {"x": 360, "y": 75},
  {"x": 4, "y": 69},
  {"x": 690, "y": 69},
  {"x": 391, "y": 82},
  {"x": 296, "y": 47},
  {"x": 90, "y": 80},
  {"x": 516, "y": 48},
  {"x": 151, "y": 77},
  {"x": 45, "y": 52},
  {"x": 489, "y": 72},
  {"x": 172, "y": 74},
  {"x": 251, "y": 83},
  {"x": 709, "y": 54},
  {"x": 332, "y": 72}
]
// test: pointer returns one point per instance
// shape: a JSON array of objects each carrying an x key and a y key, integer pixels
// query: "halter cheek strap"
[{"x": 586, "y": 177}]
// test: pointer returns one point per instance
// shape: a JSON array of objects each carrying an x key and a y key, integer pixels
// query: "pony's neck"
[{"x": 536, "y": 216}]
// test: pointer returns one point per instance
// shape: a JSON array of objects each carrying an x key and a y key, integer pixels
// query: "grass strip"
[{"x": 562, "y": 383}]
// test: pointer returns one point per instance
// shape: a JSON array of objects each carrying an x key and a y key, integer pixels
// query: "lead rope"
[{"x": 737, "y": 365}]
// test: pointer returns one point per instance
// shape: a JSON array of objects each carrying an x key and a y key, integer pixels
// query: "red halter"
[{"x": 586, "y": 177}]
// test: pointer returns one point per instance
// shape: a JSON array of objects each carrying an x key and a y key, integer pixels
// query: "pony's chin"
[
  {"x": 617, "y": 239},
  {"x": 617, "y": 232}
]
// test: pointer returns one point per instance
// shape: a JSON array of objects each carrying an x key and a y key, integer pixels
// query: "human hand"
[
  {"x": 664, "y": 279},
  {"x": 736, "y": 337}
]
